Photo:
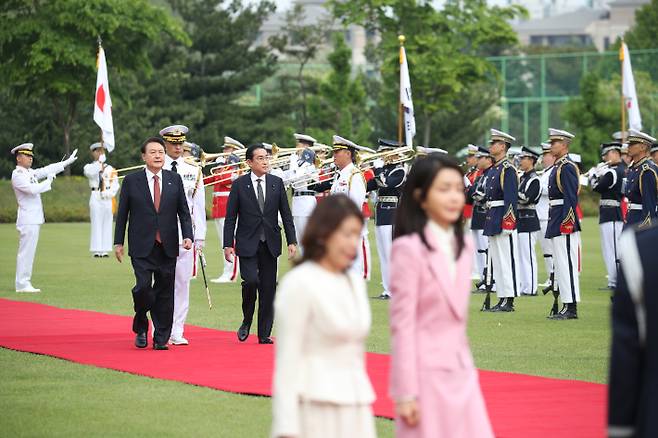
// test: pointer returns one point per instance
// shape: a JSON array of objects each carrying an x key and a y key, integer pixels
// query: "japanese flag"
[
  {"x": 103, "y": 103},
  {"x": 628, "y": 90}
]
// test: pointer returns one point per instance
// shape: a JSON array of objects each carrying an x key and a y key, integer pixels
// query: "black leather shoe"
[
  {"x": 265, "y": 341},
  {"x": 243, "y": 331},
  {"x": 140, "y": 340},
  {"x": 160, "y": 347}
]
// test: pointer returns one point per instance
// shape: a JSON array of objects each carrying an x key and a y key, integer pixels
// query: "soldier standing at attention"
[
  {"x": 500, "y": 225},
  {"x": 641, "y": 182},
  {"x": 528, "y": 225}
]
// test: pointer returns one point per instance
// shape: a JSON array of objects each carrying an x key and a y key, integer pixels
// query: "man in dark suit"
[
  {"x": 255, "y": 201},
  {"x": 632, "y": 394},
  {"x": 155, "y": 201}
]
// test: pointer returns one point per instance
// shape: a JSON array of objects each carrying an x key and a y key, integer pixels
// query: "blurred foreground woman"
[
  {"x": 321, "y": 388},
  {"x": 433, "y": 380}
]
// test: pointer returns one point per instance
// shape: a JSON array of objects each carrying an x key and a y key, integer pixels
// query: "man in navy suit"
[
  {"x": 154, "y": 200},
  {"x": 255, "y": 202}
]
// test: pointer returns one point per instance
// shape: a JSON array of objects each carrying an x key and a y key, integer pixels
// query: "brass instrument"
[
  {"x": 207, "y": 159},
  {"x": 127, "y": 169}
]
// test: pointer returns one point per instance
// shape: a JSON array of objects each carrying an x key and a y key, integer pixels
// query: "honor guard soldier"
[
  {"x": 472, "y": 172},
  {"x": 476, "y": 192},
  {"x": 28, "y": 184},
  {"x": 388, "y": 181},
  {"x": 104, "y": 184},
  {"x": 606, "y": 179},
  {"x": 301, "y": 166},
  {"x": 221, "y": 178},
  {"x": 654, "y": 153},
  {"x": 174, "y": 137},
  {"x": 563, "y": 223},
  {"x": 500, "y": 223},
  {"x": 641, "y": 181},
  {"x": 547, "y": 161},
  {"x": 528, "y": 221}
]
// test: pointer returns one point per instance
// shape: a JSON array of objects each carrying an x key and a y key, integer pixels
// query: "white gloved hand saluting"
[{"x": 71, "y": 158}]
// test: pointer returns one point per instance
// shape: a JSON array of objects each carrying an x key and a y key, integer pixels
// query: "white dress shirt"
[
  {"x": 149, "y": 178},
  {"x": 254, "y": 181},
  {"x": 446, "y": 241}
]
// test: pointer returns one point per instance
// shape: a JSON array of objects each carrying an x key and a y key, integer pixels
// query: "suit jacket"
[
  {"x": 242, "y": 204},
  {"x": 136, "y": 203},
  {"x": 633, "y": 382},
  {"x": 431, "y": 360},
  {"x": 323, "y": 323}
]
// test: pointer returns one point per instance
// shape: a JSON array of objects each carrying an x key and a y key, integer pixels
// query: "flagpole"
[
  {"x": 401, "y": 39},
  {"x": 98, "y": 53},
  {"x": 623, "y": 103}
]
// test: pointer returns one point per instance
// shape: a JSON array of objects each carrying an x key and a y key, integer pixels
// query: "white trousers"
[
  {"x": 230, "y": 268},
  {"x": 504, "y": 253},
  {"x": 300, "y": 226},
  {"x": 384, "y": 240},
  {"x": 28, "y": 236},
  {"x": 100, "y": 213},
  {"x": 546, "y": 247},
  {"x": 565, "y": 262},
  {"x": 610, "y": 232},
  {"x": 528, "y": 263},
  {"x": 481, "y": 245},
  {"x": 184, "y": 267},
  {"x": 361, "y": 265}
]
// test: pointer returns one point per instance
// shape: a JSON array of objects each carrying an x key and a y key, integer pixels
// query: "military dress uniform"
[
  {"x": 564, "y": 228},
  {"x": 607, "y": 181},
  {"x": 528, "y": 226},
  {"x": 388, "y": 182},
  {"x": 302, "y": 166},
  {"x": 196, "y": 201},
  {"x": 469, "y": 180},
  {"x": 641, "y": 187},
  {"x": 476, "y": 195},
  {"x": 104, "y": 185},
  {"x": 542, "y": 208},
  {"x": 500, "y": 226},
  {"x": 28, "y": 184},
  {"x": 222, "y": 183}
]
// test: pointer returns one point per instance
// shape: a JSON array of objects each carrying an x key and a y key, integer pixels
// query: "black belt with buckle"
[{"x": 304, "y": 193}]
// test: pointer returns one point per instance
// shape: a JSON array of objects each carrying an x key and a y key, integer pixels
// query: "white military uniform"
[
  {"x": 303, "y": 199},
  {"x": 185, "y": 264},
  {"x": 28, "y": 184},
  {"x": 104, "y": 186},
  {"x": 350, "y": 182}
]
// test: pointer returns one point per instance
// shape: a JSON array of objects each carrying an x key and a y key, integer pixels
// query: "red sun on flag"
[{"x": 100, "y": 97}]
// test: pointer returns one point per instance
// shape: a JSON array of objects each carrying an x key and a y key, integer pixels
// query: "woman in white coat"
[{"x": 321, "y": 388}]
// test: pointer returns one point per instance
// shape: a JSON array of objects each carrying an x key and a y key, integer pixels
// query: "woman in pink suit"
[{"x": 433, "y": 380}]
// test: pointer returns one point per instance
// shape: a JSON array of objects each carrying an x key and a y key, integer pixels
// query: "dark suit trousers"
[
  {"x": 154, "y": 292},
  {"x": 259, "y": 279}
]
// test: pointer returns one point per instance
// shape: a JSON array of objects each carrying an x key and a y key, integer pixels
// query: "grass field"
[{"x": 43, "y": 396}]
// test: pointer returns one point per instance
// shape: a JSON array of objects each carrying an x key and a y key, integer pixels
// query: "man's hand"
[
  {"x": 292, "y": 250},
  {"x": 118, "y": 252},
  {"x": 229, "y": 254},
  {"x": 187, "y": 243},
  {"x": 408, "y": 412}
]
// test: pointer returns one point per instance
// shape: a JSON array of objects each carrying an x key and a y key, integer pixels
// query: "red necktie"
[{"x": 156, "y": 202}]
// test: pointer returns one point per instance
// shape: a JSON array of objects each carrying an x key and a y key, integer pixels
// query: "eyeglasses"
[{"x": 262, "y": 158}]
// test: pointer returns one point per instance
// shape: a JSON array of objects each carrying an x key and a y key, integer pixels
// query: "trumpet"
[
  {"x": 128, "y": 169},
  {"x": 282, "y": 157},
  {"x": 207, "y": 159}
]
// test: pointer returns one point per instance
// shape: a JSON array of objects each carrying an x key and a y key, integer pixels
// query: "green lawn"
[{"x": 45, "y": 396}]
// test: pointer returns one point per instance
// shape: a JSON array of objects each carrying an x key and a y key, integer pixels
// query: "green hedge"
[{"x": 68, "y": 201}]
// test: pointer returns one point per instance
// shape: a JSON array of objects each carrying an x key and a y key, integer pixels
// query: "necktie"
[
  {"x": 156, "y": 202},
  {"x": 173, "y": 166},
  {"x": 261, "y": 204}
]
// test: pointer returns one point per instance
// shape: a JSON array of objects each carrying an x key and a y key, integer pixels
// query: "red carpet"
[{"x": 519, "y": 405}]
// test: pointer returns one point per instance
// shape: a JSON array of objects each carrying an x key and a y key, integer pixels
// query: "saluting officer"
[
  {"x": 221, "y": 178},
  {"x": 641, "y": 182},
  {"x": 174, "y": 137},
  {"x": 28, "y": 184},
  {"x": 104, "y": 184},
  {"x": 528, "y": 224},
  {"x": 477, "y": 193},
  {"x": 388, "y": 181},
  {"x": 563, "y": 223},
  {"x": 606, "y": 179},
  {"x": 500, "y": 223}
]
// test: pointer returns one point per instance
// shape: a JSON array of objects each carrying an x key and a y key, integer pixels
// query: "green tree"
[{"x": 48, "y": 49}]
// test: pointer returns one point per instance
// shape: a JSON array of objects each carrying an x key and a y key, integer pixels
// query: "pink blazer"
[{"x": 431, "y": 360}]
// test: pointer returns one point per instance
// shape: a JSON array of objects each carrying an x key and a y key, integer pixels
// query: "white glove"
[
  {"x": 102, "y": 158},
  {"x": 51, "y": 177},
  {"x": 378, "y": 163},
  {"x": 198, "y": 244},
  {"x": 467, "y": 182},
  {"x": 71, "y": 158},
  {"x": 507, "y": 232}
]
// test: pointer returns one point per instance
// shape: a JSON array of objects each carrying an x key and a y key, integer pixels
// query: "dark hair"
[
  {"x": 157, "y": 140},
  {"x": 324, "y": 221},
  {"x": 249, "y": 155},
  {"x": 410, "y": 217}
]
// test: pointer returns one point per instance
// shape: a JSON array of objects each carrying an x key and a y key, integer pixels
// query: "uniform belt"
[
  {"x": 492, "y": 204},
  {"x": 526, "y": 207},
  {"x": 220, "y": 194},
  {"x": 555, "y": 202},
  {"x": 95, "y": 189},
  {"x": 634, "y": 206},
  {"x": 387, "y": 199},
  {"x": 609, "y": 203},
  {"x": 304, "y": 193}
]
